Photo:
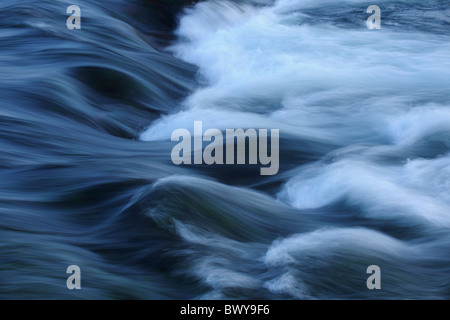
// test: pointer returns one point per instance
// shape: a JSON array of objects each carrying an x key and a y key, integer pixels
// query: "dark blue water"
[{"x": 87, "y": 179}]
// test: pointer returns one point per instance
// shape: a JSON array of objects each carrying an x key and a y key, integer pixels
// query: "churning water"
[{"x": 87, "y": 179}]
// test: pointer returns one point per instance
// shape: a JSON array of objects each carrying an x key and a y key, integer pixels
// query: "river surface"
[{"x": 86, "y": 176}]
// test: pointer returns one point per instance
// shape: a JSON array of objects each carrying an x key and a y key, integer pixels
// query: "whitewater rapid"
[{"x": 367, "y": 110}]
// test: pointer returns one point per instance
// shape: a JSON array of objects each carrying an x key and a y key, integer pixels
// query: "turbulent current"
[{"x": 86, "y": 176}]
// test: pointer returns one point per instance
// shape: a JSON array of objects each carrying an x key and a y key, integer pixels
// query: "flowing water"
[{"x": 87, "y": 178}]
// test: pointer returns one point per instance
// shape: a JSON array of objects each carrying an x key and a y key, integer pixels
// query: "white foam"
[
  {"x": 330, "y": 241},
  {"x": 334, "y": 85},
  {"x": 419, "y": 122},
  {"x": 381, "y": 192},
  {"x": 289, "y": 284}
]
